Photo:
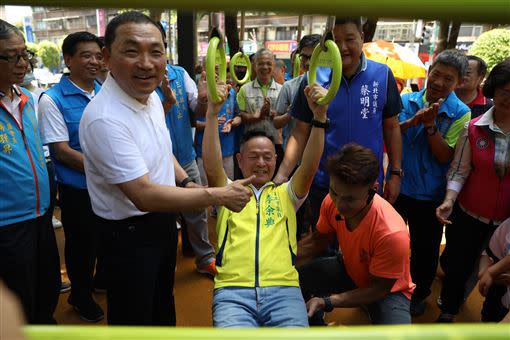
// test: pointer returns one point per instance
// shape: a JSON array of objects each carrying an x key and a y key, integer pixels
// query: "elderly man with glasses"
[{"x": 29, "y": 259}]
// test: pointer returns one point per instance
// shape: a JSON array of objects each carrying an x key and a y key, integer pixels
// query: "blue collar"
[
  {"x": 363, "y": 66},
  {"x": 448, "y": 107},
  {"x": 69, "y": 89},
  {"x": 172, "y": 73}
]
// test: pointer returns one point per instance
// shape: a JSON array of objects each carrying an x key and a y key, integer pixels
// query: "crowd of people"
[{"x": 308, "y": 218}]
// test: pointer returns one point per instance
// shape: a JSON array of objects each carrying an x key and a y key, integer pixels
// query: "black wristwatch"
[
  {"x": 185, "y": 182},
  {"x": 328, "y": 306},
  {"x": 322, "y": 125},
  {"x": 397, "y": 172},
  {"x": 431, "y": 130}
]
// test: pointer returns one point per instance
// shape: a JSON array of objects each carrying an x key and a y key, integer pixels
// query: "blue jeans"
[
  {"x": 277, "y": 306},
  {"x": 394, "y": 309}
]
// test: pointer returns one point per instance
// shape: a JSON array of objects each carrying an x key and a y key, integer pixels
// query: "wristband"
[
  {"x": 397, "y": 172},
  {"x": 328, "y": 306},
  {"x": 185, "y": 182},
  {"x": 318, "y": 124}
]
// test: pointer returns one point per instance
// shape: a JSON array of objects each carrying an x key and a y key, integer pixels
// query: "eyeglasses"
[{"x": 14, "y": 59}]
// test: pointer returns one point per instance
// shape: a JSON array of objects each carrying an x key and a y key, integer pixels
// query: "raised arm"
[
  {"x": 211, "y": 148},
  {"x": 303, "y": 177},
  {"x": 438, "y": 145}
]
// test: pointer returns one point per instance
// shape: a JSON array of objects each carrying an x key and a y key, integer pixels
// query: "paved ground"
[{"x": 193, "y": 294}]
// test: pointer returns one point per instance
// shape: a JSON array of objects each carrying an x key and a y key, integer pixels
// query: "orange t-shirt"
[{"x": 379, "y": 246}]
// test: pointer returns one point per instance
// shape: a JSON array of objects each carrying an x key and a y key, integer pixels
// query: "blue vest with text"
[
  {"x": 355, "y": 115},
  {"x": 424, "y": 176},
  {"x": 71, "y": 101},
  {"x": 23, "y": 174},
  {"x": 178, "y": 117}
]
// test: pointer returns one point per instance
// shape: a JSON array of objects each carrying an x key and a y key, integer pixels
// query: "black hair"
[
  {"x": 101, "y": 39},
  {"x": 498, "y": 77},
  {"x": 353, "y": 20},
  {"x": 482, "y": 65},
  {"x": 126, "y": 18},
  {"x": 256, "y": 132},
  {"x": 73, "y": 39},
  {"x": 452, "y": 58},
  {"x": 310, "y": 40},
  {"x": 354, "y": 164},
  {"x": 7, "y": 30}
]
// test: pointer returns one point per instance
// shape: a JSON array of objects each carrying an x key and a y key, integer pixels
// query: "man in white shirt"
[
  {"x": 131, "y": 176},
  {"x": 61, "y": 109}
]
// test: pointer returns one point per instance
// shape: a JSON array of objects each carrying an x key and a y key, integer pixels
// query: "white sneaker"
[{"x": 56, "y": 223}]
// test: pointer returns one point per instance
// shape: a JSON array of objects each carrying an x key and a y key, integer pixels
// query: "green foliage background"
[
  {"x": 49, "y": 54},
  {"x": 492, "y": 46}
]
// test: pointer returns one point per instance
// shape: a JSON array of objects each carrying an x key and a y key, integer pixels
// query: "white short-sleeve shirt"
[
  {"x": 191, "y": 91},
  {"x": 122, "y": 140},
  {"x": 51, "y": 120}
]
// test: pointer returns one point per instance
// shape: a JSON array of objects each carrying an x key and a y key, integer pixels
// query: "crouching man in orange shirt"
[{"x": 372, "y": 266}]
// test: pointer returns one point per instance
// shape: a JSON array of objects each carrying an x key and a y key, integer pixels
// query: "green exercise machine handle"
[
  {"x": 240, "y": 59},
  {"x": 329, "y": 57},
  {"x": 215, "y": 56},
  {"x": 297, "y": 66}
]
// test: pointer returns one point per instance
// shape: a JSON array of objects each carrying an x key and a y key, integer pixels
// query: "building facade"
[{"x": 55, "y": 23}]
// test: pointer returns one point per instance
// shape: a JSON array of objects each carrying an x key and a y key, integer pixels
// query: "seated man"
[
  {"x": 373, "y": 269},
  {"x": 257, "y": 283}
]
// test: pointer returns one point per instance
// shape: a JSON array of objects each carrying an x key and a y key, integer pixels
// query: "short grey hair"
[
  {"x": 7, "y": 30},
  {"x": 263, "y": 51},
  {"x": 453, "y": 58},
  {"x": 279, "y": 64}
]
